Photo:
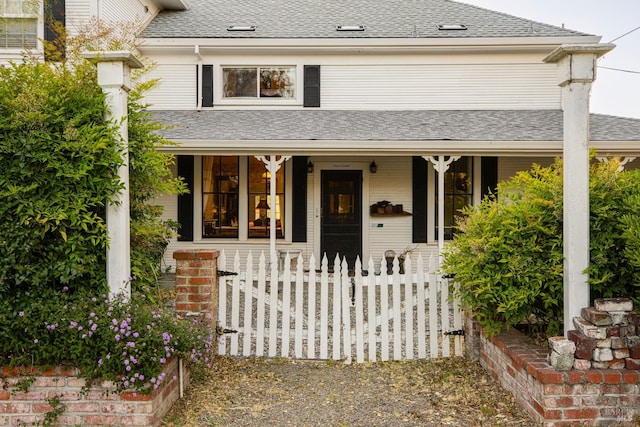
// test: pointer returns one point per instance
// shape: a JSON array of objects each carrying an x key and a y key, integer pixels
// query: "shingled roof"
[
  {"x": 448, "y": 125},
  {"x": 319, "y": 18}
]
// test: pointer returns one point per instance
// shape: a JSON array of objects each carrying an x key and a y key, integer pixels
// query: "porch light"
[
  {"x": 450, "y": 27},
  {"x": 350, "y": 28},
  {"x": 373, "y": 168},
  {"x": 241, "y": 28},
  {"x": 310, "y": 167}
]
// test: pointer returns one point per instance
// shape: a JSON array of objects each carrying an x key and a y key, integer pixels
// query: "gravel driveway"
[{"x": 283, "y": 392}]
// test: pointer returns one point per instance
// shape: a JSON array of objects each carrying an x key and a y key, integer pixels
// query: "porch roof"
[{"x": 317, "y": 132}]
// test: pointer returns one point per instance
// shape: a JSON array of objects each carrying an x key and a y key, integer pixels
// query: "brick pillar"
[
  {"x": 471, "y": 337},
  {"x": 196, "y": 283}
]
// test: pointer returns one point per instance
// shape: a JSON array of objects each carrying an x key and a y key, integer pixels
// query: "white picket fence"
[{"x": 332, "y": 315}]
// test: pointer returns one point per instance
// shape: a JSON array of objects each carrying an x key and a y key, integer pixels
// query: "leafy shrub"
[
  {"x": 127, "y": 343},
  {"x": 508, "y": 257},
  {"x": 59, "y": 169}
]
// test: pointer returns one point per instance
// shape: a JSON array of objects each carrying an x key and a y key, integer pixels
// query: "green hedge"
[{"x": 508, "y": 257}]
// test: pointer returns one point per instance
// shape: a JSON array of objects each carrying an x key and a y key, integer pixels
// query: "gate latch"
[
  {"x": 221, "y": 330},
  {"x": 226, "y": 273},
  {"x": 455, "y": 332}
]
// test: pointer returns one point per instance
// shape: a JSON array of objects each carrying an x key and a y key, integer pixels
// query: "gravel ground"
[{"x": 282, "y": 392}]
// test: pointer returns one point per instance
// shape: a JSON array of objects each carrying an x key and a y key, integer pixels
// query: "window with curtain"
[
  {"x": 220, "y": 196},
  {"x": 261, "y": 213},
  {"x": 458, "y": 193},
  {"x": 259, "y": 82},
  {"x": 18, "y": 24}
]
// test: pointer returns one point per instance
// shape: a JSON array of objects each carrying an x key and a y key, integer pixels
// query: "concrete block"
[
  {"x": 619, "y": 318},
  {"x": 613, "y": 304},
  {"x": 619, "y": 342},
  {"x": 598, "y": 318},
  {"x": 582, "y": 364},
  {"x": 602, "y": 355},
  {"x": 592, "y": 331},
  {"x": 562, "y": 362},
  {"x": 561, "y": 345},
  {"x": 620, "y": 353}
]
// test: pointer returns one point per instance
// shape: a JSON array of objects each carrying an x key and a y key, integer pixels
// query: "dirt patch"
[{"x": 267, "y": 392}]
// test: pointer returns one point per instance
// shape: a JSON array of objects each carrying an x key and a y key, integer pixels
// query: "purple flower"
[
  {"x": 117, "y": 338},
  {"x": 94, "y": 326},
  {"x": 128, "y": 368},
  {"x": 21, "y": 314},
  {"x": 35, "y": 341},
  {"x": 100, "y": 362},
  {"x": 65, "y": 288}
]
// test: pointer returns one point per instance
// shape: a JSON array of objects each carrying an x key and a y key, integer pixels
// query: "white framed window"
[
  {"x": 18, "y": 24},
  {"x": 259, "y": 82}
]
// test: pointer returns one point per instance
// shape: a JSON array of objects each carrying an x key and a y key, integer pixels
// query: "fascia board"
[
  {"x": 394, "y": 148},
  {"x": 394, "y": 45}
]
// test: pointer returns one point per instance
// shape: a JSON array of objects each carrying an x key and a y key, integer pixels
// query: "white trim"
[
  {"x": 394, "y": 148},
  {"x": 388, "y": 45}
]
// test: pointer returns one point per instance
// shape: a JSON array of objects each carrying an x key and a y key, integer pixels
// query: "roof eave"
[
  {"x": 396, "y": 148},
  {"x": 397, "y": 45},
  {"x": 172, "y": 4}
]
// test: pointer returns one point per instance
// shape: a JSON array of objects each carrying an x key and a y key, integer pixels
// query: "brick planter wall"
[
  {"x": 100, "y": 406},
  {"x": 594, "y": 397}
]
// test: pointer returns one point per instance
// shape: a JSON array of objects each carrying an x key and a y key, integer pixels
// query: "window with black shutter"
[
  {"x": 312, "y": 86},
  {"x": 207, "y": 86}
]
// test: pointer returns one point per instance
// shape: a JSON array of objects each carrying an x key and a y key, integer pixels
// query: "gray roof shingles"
[
  {"x": 319, "y": 18},
  {"x": 454, "y": 125}
]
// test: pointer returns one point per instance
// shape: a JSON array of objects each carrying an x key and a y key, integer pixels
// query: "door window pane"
[{"x": 220, "y": 196}]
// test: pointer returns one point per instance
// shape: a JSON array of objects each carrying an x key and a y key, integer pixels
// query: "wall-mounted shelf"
[{"x": 403, "y": 213}]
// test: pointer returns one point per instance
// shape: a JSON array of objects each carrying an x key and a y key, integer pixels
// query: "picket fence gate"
[{"x": 323, "y": 314}]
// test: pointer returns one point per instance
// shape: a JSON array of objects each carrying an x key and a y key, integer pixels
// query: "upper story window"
[
  {"x": 18, "y": 24},
  {"x": 259, "y": 82}
]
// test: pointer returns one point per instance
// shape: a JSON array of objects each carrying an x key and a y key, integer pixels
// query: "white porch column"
[
  {"x": 576, "y": 71},
  {"x": 114, "y": 77},
  {"x": 272, "y": 164},
  {"x": 441, "y": 166}
]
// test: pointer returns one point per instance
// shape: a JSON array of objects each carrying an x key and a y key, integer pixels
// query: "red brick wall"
[
  {"x": 594, "y": 397},
  {"x": 98, "y": 407},
  {"x": 196, "y": 279}
]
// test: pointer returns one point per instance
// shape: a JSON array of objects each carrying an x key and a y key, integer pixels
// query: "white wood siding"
[
  {"x": 78, "y": 13},
  {"x": 440, "y": 87},
  {"x": 125, "y": 10},
  {"x": 176, "y": 89}
]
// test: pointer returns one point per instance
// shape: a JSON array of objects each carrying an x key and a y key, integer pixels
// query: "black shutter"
[
  {"x": 489, "y": 175},
  {"x": 54, "y": 24},
  {"x": 419, "y": 200},
  {"x": 311, "y": 85},
  {"x": 207, "y": 85},
  {"x": 185, "y": 201},
  {"x": 299, "y": 200}
]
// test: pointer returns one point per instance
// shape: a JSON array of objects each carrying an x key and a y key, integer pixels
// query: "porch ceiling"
[{"x": 323, "y": 132}]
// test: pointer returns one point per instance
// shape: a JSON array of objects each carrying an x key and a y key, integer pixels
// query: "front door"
[{"x": 341, "y": 218}]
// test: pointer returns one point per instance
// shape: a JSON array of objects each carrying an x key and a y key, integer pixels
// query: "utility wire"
[
  {"x": 625, "y": 34},
  {"x": 619, "y": 69}
]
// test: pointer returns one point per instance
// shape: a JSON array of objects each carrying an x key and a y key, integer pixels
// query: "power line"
[
  {"x": 625, "y": 34},
  {"x": 619, "y": 69}
]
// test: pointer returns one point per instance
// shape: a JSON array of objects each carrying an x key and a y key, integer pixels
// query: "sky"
[{"x": 614, "y": 92}]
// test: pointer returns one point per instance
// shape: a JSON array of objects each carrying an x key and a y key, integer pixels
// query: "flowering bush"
[{"x": 127, "y": 343}]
